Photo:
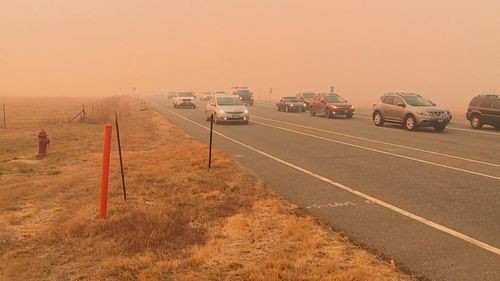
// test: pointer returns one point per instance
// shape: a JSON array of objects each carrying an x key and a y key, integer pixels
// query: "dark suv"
[{"x": 484, "y": 110}]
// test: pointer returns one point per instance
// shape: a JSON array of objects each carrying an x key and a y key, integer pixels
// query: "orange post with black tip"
[{"x": 105, "y": 172}]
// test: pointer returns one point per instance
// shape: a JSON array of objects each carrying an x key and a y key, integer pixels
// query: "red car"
[{"x": 331, "y": 105}]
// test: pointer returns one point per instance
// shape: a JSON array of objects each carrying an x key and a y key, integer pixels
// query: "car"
[
  {"x": 331, "y": 105},
  {"x": 306, "y": 97},
  {"x": 244, "y": 94},
  {"x": 411, "y": 110},
  {"x": 184, "y": 99},
  {"x": 227, "y": 109},
  {"x": 290, "y": 104},
  {"x": 171, "y": 95},
  {"x": 218, "y": 93},
  {"x": 484, "y": 110},
  {"x": 206, "y": 96}
]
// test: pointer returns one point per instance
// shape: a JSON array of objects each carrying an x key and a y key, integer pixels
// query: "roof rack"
[{"x": 402, "y": 94}]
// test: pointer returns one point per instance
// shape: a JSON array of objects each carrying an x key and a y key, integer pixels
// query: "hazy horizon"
[{"x": 444, "y": 50}]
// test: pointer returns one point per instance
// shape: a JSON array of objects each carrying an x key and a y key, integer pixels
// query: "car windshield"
[
  {"x": 185, "y": 94},
  {"x": 309, "y": 95},
  {"x": 228, "y": 101},
  {"x": 417, "y": 101},
  {"x": 244, "y": 93},
  {"x": 334, "y": 99},
  {"x": 291, "y": 99}
]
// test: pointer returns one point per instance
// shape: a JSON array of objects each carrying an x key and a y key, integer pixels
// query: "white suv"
[{"x": 184, "y": 99}]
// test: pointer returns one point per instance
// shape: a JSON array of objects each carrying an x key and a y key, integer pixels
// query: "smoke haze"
[{"x": 445, "y": 50}]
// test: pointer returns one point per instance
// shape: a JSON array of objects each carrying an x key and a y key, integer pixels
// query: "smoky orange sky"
[{"x": 446, "y": 50}]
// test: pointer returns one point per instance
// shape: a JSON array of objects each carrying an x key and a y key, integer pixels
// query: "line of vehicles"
[{"x": 408, "y": 109}]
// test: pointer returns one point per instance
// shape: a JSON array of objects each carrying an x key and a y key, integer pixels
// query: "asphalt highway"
[{"x": 429, "y": 201}]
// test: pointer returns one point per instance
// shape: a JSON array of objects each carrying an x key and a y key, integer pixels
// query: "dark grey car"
[
  {"x": 291, "y": 104},
  {"x": 484, "y": 110}
]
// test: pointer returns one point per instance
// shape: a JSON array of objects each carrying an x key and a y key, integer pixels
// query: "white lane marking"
[
  {"x": 473, "y": 131},
  {"x": 382, "y": 152},
  {"x": 380, "y": 142},
  {"x": 398, "y": 210},
  {"x": 363, "y": 117},
  {"x": 447, "y": 127}
]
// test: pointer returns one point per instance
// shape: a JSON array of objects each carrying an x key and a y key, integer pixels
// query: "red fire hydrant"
[{"x": 43, "y": 143}]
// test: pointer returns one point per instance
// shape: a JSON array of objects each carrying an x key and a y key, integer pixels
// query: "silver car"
[
  {"x": 227, "y": 108},
  {"x": 411, "y": 110}
]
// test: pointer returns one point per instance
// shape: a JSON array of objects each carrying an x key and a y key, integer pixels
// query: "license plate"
[
  {"x": 440, "y": 121},
  {"x": 235, "y": 116}
]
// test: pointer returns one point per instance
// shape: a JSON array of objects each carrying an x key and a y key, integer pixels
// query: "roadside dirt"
[{"x": 180, "y": 222}]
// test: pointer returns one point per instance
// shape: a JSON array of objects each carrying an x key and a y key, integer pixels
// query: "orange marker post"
[{"x": 105, "y": 172}]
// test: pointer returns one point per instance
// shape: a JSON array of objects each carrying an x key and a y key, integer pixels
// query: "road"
[{"x": 428, "y": 200}]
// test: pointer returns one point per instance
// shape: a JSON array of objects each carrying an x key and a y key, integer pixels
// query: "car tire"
[
  {"x": 348, "y": 115},
  {"x": 194, "y": 106},
  {"x": 311, "y": 111},
  {"x": 377, "y": 119},
  {"x": 440, "y": 128},
  {"x": 327, "y": 114},
  {"x": 303, "y": 109},
  {"x": 175, "y": 106},
  {"x": 216, "y": 119},
  {"x": 287, "y": 109},
  {"x": 476, "y": 122},
  {"x": 245, "y": 122},
  {"x": 278, "y": 108},
  {"x": 410, "y": 122}
]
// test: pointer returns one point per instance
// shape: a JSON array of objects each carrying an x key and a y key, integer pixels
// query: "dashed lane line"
[{"x": 380, "y": 142}]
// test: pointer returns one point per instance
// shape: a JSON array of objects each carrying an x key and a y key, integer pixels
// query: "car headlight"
[
  {"x": 221, "y": 111},
  {"x": 424, "y": 113},
  {"x": 291, "y": 105},
  {"x": 334, "y": 107},
  {"x": 245, "y": 110},
  {"x": 352, "y": 106}
]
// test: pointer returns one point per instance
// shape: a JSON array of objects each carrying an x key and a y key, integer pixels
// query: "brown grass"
[{"x": 180, "y": 222}]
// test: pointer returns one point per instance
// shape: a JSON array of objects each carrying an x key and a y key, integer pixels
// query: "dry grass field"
[{"x": 180, "y": 221}]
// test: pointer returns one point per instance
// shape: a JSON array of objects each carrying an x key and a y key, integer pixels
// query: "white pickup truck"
[{"x": 184, "y": 99}]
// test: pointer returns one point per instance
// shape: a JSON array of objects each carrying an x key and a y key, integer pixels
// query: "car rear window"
[
  {"x": 487, "y": 103},
  {"x": 388, "y": 100},
  {"x": 475, "y": 101},
  {"x": 497, "y": 103}
]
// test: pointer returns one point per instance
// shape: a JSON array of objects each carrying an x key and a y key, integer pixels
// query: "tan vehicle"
[{"x": 410, "y": 110}]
